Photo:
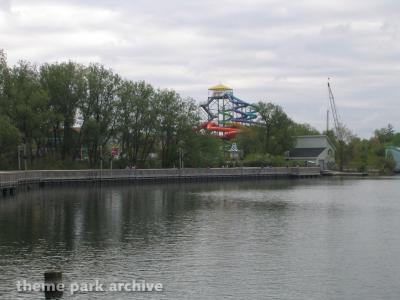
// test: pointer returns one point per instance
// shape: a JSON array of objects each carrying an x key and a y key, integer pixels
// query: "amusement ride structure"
[{"x": 226, "y": 113}]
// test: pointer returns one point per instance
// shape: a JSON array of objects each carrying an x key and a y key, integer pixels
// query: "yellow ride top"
[{"x": 220, "y": 88}]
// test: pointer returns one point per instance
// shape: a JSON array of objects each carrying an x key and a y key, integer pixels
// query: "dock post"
[{"x": 53, "y": 285}]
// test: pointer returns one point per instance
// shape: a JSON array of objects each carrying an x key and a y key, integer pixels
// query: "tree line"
[
  {"x": 56, "y": 109},
  {"x": 63, "y": 112},
  {"x": 361, "y": 154}
]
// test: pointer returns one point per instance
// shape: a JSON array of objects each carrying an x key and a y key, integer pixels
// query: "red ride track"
[{"x": 229, "y": 132}]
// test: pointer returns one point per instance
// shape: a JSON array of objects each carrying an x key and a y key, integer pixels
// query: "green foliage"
[
  {"x": 385, "y": 135},
  {"x": 28, "y": 107},
  {"x": 304, "y": 129},
  {"x": 275, "y": 133},
  {"x": 395, "y": 141},
  {"x": 49, "y": 163},
  {"x": 10, "y": 138},
  {"x": 66, "y": 87},
  {"x": 362, "y": 154},
  {"x": 202, "y": 151},
  {"x": 277, "y": 130},
  {"x": 264, "y": 160},
  {"x": 99, "y": 110},
  {"x": 245, "y": 140},
  {"x": 137, "y": 120},
  {"x": 176, "y": 119},
  {"x": 4, "y": 83},
  {"x": 153, "y": 128},
  {"x": 386, "y": 165},
  {"x": 344, "y": 146}
]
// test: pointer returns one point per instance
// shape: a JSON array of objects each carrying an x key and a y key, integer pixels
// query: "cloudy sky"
[{"x": 280, "y": 51}]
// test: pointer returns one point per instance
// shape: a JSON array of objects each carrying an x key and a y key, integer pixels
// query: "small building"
[
  {"x": 315, "y": 150},
  {"x": 394, "y": 153}
]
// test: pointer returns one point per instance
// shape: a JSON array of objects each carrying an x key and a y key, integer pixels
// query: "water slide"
[
  {"x": 395, "y": 153},
  {"x": 233, "y": 111},
  {"x": 228, "y": 132},
  {"x": 246, "y": 116}
]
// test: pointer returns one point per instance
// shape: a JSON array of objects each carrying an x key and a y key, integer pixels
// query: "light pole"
[
  {"x": 181, "y": 158},
  {"x": 101, "y": 162},
  {"x": 24, "y": 151},
  {"x": 101, "y": 157},
  {"x": 22, "y": 148},
  {"x": 19, "y": 157},
  {"x": 180, "y": 154}
]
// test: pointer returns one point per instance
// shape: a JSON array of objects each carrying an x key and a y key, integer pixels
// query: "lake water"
[{"x": 289, "y": 239}]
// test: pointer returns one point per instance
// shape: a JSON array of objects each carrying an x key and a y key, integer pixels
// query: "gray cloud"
[
  {"x": 4, "y": 5},
  {"x": 281, "y": 51}
]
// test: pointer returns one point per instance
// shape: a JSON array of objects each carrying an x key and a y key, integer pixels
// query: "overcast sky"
[{"x": 280, "y": 51}]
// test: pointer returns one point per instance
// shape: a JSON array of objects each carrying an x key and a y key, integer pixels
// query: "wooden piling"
[{"x": 53, "y": 285}]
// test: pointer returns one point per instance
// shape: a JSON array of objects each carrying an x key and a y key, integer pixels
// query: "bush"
[
  {"x": 387, "y": 165},
  {"x": 47, "y": 163},
  {"x": 10, "y": 138},
  {"x": 263, "y": 160}
]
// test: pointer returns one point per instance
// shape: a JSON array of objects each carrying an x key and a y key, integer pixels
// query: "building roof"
[
  {"x": 306, "y": 152},
  {"x": 220, "y": 88},
  {"x": 318, "y": 136}
]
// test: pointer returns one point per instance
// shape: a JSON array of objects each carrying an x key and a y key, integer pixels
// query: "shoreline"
[{"x": 12, "y": 181}]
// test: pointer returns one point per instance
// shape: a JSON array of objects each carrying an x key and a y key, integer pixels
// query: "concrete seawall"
[{"x": 13, "y": 180}]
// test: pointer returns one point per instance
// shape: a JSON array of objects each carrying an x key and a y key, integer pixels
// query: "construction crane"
[{"x": 338, "y": 126}]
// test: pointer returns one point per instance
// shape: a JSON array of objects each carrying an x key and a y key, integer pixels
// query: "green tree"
[
  {"x": 385, "y": 135},
  {"x": 304, "y": 129},
  {"x": 344, "y": 143},
  {"x": 177, "y": 117},
  {"x": 137, "y": 120},
  {"x": 278, "y": 132},
  {"x": 10, "y": 138},
  {"x": 249, "y": 139},
  {"x": 66, "y": 86},
  {"x": 99, "y": 110},
  {"x": 360, "y": 154},
  {"x": 396, "y": 140},
  {"x": 4, "y": 82},
  {"x": 202, "y": 150},
  {"x": 29, "y": 106}
]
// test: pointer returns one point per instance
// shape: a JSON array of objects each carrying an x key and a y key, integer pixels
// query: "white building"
[{"x": 315, "y": 150}]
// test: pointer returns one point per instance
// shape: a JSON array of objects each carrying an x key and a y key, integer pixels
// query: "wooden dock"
[{"x": 11, "y": 181}]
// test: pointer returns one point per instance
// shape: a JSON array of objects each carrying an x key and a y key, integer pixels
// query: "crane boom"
[{"x": 336, "y": 121}]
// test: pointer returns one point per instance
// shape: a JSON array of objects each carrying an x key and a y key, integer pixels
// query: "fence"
[{"x": 15, "y": 178}]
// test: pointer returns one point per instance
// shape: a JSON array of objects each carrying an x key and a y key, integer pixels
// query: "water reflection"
[
  {"x": 95, "y": 216},
  {"x": 277, "y": 239}
]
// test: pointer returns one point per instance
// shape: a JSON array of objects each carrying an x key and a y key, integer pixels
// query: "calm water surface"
[{"x": 304, "y": 239}]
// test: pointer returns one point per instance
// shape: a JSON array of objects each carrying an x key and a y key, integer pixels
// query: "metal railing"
[{"x": 18, "y": 177}]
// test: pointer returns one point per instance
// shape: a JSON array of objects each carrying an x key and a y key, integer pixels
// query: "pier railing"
[{"x": 14, "y": 178}]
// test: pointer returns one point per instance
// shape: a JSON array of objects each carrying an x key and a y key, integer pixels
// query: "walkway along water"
[{"x": 13, "y": 180}]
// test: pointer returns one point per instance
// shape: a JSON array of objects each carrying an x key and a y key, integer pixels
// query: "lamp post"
[
  {"x": 25, "y": 157},
  {"x": 21, "y": 148},
  {"x": 101, "y": 162},
  {"x": 101, "y": 157},
  {"x": 19, "y": 156},
  {"x": 180, "y": 154}
]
